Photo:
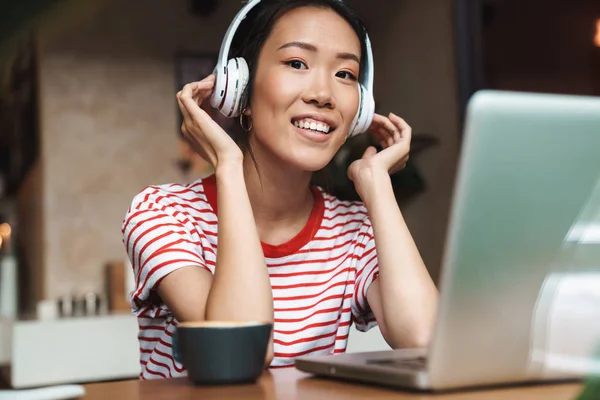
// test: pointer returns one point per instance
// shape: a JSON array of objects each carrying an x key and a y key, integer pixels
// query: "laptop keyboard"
[{"x": 403, "y": 363}]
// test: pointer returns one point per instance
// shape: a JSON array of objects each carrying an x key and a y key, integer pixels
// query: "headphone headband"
[
  {"x": 226, "y": 45},
  {"x": 368, "y": 76}
]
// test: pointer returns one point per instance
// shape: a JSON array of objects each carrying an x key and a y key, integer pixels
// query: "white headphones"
[{"x": 232, "y": 77}]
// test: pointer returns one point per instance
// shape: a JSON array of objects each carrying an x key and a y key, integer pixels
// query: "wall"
[
  {"x": 108, "y": 127},
  {"x": 551, "y": 46}
]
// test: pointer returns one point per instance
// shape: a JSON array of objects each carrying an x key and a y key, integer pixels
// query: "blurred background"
[{"x": 88, "y": 118}]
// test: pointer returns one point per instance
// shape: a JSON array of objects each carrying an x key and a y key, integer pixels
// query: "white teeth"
[{"x": 312, "y": 125}]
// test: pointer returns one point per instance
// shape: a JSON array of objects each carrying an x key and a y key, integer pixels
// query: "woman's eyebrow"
[{"x": 311, "y": 47}]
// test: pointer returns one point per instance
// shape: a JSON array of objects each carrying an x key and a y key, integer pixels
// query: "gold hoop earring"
[{"x": 245, "y": 128}]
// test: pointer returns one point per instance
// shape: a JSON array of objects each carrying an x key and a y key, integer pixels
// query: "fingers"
[
  {"x": 383, "y": 137},
  {"x": 369, "y": 152},
  {"x": 394, "y": 135},
  {"x": 198, "y": 91},
  {"x": 196, "y": 122},
  {"x": 194, "y": 115},
  {"x": 205, "y": 133},
  {"x": 380, "y": 136},
  {"x": 402, "y": 126},
  {"x": 204, "y": 84},
  {"x": 184, "y": 111},
  {"x": 385, "y": 131},
  {"x": 203, "y": 89},
  {"x": 385, "y": 123},
  {"x": 392, "y": 126}
]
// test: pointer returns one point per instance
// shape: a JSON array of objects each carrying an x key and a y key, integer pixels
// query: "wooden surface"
[{"x": 290, "y": 384}]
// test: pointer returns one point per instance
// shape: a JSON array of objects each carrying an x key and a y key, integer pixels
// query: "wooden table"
[{"x": 291, "y": 384}]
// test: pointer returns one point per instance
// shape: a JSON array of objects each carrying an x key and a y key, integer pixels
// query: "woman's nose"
[{"x": 319, "y": 91}]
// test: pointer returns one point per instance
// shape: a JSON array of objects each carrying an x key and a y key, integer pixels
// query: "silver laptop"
[{"x": 527, "y": 193}]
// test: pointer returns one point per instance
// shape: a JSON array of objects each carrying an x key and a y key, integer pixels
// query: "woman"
[{"x": 285, "y": 251}]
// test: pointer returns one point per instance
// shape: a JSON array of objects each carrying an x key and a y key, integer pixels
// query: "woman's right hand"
[{"x": 203, "y": 133}]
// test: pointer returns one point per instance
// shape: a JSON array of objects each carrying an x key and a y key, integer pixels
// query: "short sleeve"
[
  {"x": 158, "y": 240},
  {"x": 367, "y": 270}
]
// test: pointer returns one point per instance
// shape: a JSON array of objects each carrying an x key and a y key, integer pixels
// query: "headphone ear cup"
[
  {"x": 370, "y": 111},
  {"x": 244, "y": 77},
  {"x": 364, "y": 116},
  {"x": 235, "y": 84}
]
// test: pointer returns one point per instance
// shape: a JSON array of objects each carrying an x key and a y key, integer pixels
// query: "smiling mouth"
[{"x": 313, "y": 126}]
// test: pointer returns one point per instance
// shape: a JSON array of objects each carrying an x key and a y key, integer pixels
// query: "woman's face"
[{"x": 305, "y": 91}]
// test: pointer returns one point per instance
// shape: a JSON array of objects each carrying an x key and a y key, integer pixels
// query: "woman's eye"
[
  {"x": 296, "y": 64},
  {"x": 346, "y": 75}
]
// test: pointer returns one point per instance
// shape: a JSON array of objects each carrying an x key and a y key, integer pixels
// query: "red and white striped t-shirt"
[{"x": 319, "y": 278}]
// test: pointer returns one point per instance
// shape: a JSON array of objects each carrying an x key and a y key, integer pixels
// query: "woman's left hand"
[{"x": 394, "y": 135}]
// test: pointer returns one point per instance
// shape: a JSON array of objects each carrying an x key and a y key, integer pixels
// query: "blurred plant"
[
  {"x": 591, "y": 390},
  {"x": 407, "y": 183}
]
